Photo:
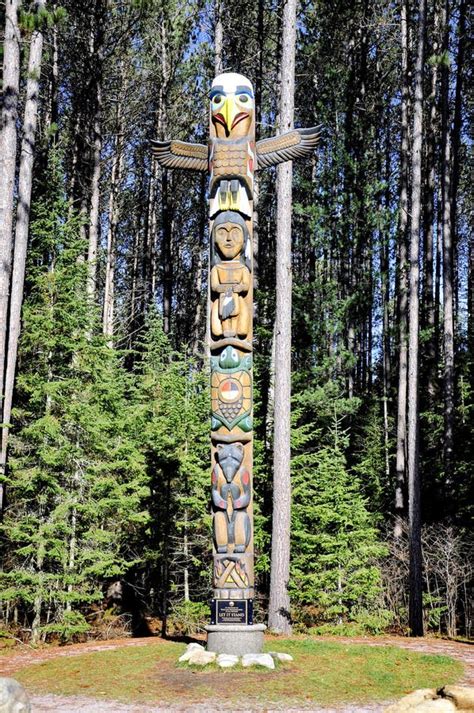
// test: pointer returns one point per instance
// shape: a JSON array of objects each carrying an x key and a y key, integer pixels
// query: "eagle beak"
[
  {"x": 229, "y": 115},
  {"x": 229, "y": 111}
]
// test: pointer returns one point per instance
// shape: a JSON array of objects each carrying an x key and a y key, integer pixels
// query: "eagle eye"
[
  {"x": 243, "y": 98},
  {"x": 217, "y": 99}
]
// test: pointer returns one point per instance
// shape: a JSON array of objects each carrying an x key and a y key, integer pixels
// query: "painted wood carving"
[{"x": 231, "y": 159}]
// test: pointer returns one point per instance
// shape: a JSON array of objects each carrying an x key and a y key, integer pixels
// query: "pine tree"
[
  {"x": 77, "y": 480},
  {"x": 170, "y": 417},
  {"x": 335, "y": 542}
]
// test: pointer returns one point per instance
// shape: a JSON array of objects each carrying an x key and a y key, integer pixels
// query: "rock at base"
[
  {"x": 13, "y": 697},
  {"x": 461, "y": 696},
  {"x": 227, "y": 660},
  {"x": 424, "y": 700},
  {"x": 279, "y": 656},
  {"x": 189, "y": 650},
  {"x": 201, "y": 658},
  {"x": 258, "y": 660}
]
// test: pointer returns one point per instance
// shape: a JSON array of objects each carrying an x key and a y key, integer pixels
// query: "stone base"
[{"x": 236, "y": 639}]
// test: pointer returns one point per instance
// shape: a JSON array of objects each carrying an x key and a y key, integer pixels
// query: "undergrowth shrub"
[{"x": 188, "y": 618}]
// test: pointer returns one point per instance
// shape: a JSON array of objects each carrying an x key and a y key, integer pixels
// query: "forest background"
[{"x": 105, "y": 443}]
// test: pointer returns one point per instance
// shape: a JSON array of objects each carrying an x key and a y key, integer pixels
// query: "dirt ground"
[
  {"x": 57, "y": 704},
  {"x": 19, "y": 658}
]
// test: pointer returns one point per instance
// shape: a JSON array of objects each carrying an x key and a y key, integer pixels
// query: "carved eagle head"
[{"x": 232, "y": 106}]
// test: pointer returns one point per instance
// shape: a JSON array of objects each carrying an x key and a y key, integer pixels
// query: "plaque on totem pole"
[
  {"x": 232, "y": 611},
  {"x": 231, "y": 157}
]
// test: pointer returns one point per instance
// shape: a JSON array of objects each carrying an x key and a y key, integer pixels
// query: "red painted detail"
[
  {"x": 240, "y": 117},
  {"x": 220, "y": 120},
  {"x": 245, "y": 477},
  {"x": 214, "y": 477}
]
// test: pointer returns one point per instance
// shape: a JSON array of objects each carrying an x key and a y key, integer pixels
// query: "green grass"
[{"x": 322, "y": 672}]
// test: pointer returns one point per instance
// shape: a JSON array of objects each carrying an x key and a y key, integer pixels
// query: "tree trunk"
[
  {"x": 38, "y": 599},
  {"x": 115, "y": 181},
  {"x": 457, "y": 121},
  {"x": 166, "y": 256},
  {"x": 385, "y": 299},
  {"x": 218, "y": 37},
  {"x": 428, "y": 306},
  {"x": 258, "y": 120},
  {"x": 449, "y": 189},
  {"x": 279, "y": 604},
  {"x": 25, "y": 182},
  {"x": 446, "y": 231},
  {"x": 402, "y": 288},
  {"x": 96, "y": 48},
  {"x": 95, "y": 202},
  {"x": 8, "y": 142},
  {"x": 198, "y": 270},
  {"x": 470, "y": 308},
  {"x": 52, "y": 108},
  {"x": 414, "y": 510}
]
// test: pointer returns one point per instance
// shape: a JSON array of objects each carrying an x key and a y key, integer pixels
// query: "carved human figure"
[
  {"x": 230, "y": 277},
  {"x": 231, "y": 493}
]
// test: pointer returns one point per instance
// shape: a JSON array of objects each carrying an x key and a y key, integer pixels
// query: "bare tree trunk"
[
  {"x": 385, "y": 297},
  {"x": 428, "y": 307},
  {"x": 470, "y": 307},
  {"x": 96, "y": 50},
  {"x": 198, "y": 269},
  {"x": 258, "y": 120},
  {"x": 218, "y": 37},
  {"x": 279, "y": 604},
  {"x": 38, "y": 599},
  {"x": 186, "y": 557},
  {"x": 414, "y": 490},
  {"x": 95, "y": 203},
  {"x": 166, "y": 180},
  {"x": 403, "y": 289},
  {"x": 51, "y": 112},
  {"x": 115, "y": 181},
  {"x": 449, "y": 188},
  {"x": 8, "y": 143},
  {"x": 134, "y": 286},
  {"x": 457, "y": 121},
  {"x": 446, "y": 230},
  {"x": 166, "y": 256},
  {"x": 25, "y": 182}
]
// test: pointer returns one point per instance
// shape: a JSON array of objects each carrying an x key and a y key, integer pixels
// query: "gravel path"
[
  {"x": 18, "y": 659},
  {"x": 61, "y": 704}
]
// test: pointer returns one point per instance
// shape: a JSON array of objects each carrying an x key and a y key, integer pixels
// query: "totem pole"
[{"x": 231, "y": 159}]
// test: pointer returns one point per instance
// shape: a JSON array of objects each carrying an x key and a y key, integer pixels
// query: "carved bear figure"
[{"x": 231, "y": 493}]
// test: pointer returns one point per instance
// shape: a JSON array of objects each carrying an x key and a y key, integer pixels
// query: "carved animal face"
[
  {"x": 229, "y": 239},
  {"x": 232, "y": 105},
  {"x": 229, "y": 358},
  {"x": 230, "y": 456}
]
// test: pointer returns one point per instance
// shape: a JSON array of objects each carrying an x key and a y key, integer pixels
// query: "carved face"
[
  {"x": 232, "y": 105},
  {"x": 229, "y": 240}
]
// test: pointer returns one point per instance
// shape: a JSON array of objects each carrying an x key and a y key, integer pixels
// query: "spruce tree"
[
  {"x": 77, "y": 480},
  {"x": 335, "y": 542}
]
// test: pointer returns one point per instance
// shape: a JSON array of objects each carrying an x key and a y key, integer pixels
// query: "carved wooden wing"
[
  {"x": 180, "y": 154},
  {"x": 286, "y": 147}
]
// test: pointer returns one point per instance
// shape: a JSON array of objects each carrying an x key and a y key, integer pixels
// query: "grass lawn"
[{"x": 324, "y": 673}]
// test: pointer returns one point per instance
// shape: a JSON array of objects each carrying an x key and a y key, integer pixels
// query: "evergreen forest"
[{"x": 105, "y": 525}]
